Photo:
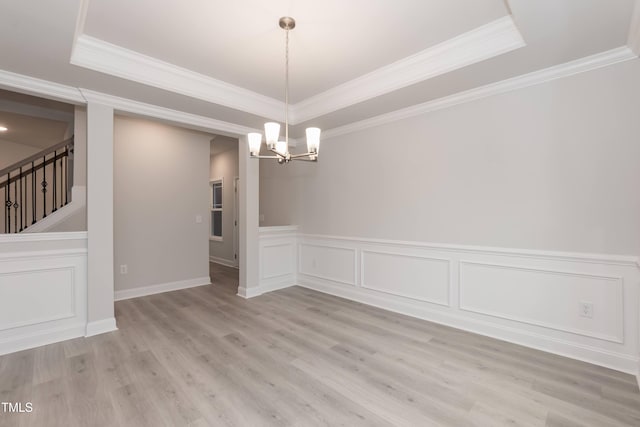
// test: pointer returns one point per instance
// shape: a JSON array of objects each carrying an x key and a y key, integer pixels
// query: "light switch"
[{"x": 198, "y": 219}]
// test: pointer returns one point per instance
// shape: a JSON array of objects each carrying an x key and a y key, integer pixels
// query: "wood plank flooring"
[{"x": 296, "y": 357}]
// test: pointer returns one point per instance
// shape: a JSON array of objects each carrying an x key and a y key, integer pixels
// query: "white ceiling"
[{"x": 238, "y": 43}]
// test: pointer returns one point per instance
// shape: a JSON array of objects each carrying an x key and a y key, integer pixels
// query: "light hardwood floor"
[{"x": 296, "y": 357}]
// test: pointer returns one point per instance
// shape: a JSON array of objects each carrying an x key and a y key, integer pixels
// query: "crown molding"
[
  {"x": 39, "y": 87},
  {"x": 567, "y": 69},
  {"x": 98, "y": 55},
  {"x": 633, "y": 40},
  {"x": 487, "y": 41},
  {"x": 202, "y": 123}
]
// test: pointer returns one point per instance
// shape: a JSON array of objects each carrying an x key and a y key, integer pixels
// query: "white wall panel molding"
[
  {"x": 396, "y": 273},
  {"x": 487, "y": 41},
  {"x": 582, "y": 65},
  {"x": 532, "y": 298},
  {"x": 328, "y": 262},
  {"x": 621, "y": 260},
  {"x": 277, "y": 248},
  {"x": 43, "y": 293},
  {"x": 98, "y": 55},
  {"x": 509, "y": 292}
]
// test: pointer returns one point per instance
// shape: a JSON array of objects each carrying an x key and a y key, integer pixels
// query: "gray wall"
[
  {"x": 11, "y": 152},
  {"x": 225, "y": 165},
  {"x": 160, "y": 186},
  {"x": 549, "y": 167}
]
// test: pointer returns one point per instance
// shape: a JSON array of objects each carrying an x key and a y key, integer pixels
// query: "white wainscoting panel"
[
  {"x": 43, "y": 289},
  {"x": 532, "y": 298},
  {"x": 415, "y": 277},
  {"x": 336, "y": 264},
  {"x": 547, "y": 298},
  {"x": 277, "y": 259},
  {"x": 277, "y": 254},
  {"x": 36, "y": 296}
]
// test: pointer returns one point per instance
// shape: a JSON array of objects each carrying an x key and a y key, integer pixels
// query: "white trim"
[
  {"x": 567, "y": 69},
  {"x": 41, "y": 337},
  {"x": 173, "y": 116},
  {"x": 223, "y": 261},
  {"x": 42, "y": 237},
  {"x": 619, "y": 339},
  {"x": 624, "y": 260},
  {"x": 39, "y": 87},
  {"x": 484, "y": 42},
  {"x": 160, "y": 288},
  {"x": 78, "y": 202},
  {"x": 487, "y": 41},
  {"x": 101, "y": 327},
  {"x": 278, "y": 229},
  {"x": 99, "y": 55},
  {"x": 586, "y": 353},
  {"x": 633, "y": 40},
  {"x": 248, "y": 293}
]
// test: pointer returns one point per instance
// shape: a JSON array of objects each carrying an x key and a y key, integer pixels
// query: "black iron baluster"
[
  {"x": 66, "y": 175},
  {"x": 15, "y": 206},
  {"x": 33, "y": 193},
  {"x": 25, "y": 201},
  {"x": 54, "y": 203},
  {"x": 21, "y": 227},
  {"x": 7, "y": 204},
  {"x": 44, "y": 187}
]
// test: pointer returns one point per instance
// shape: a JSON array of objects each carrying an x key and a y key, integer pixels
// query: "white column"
[
  {"x": 249, "y": 213},
  {"x": 100, "y": 312}
]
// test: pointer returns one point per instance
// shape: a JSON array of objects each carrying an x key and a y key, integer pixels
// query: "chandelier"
[{"x": 272, "y": 129}]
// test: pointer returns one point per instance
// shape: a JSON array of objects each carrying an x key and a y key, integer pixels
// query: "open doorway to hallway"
[{"x": 224, "y": 209}]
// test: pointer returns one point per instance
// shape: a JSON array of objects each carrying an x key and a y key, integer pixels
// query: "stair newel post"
[{"x": 66, "y": 175}]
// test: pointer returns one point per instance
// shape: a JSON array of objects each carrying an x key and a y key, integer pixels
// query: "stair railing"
[{"x": 37, "y": 186}]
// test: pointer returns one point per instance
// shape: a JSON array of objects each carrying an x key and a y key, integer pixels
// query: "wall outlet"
[
  {"x": 586, "y": 309},
  {"x": 124, "y": 269},
  {"x": 198, "y": 219},
  {"x": 261, "y": 217}
]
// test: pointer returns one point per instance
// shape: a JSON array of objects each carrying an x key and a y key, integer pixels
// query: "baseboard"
[
  {"x": 223, "y": 261},
  {"x": 101, "y": 327},
  {"x": 248, "y": 293},
  {"x": 160, "y": 288},
  {"x": 617, "y": 361},
  {"x": 42, "y": 337}
]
